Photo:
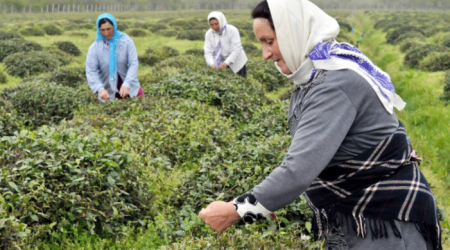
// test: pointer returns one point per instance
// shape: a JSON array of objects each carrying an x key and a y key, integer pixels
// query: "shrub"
[
  {"x": 32, "y": 31},
  {"x": 140, "y": 25},
  {"x": 155, "y": 54},
  {"x": 251, "y": 36},
  {"x": 52, "y": 30},
  {"x": 3, "y": 77},
  {"x": 61, "y": 181},
  {"x": 184, "y": 24},
  {"x": 413, "y": 57},
  {"x": 345, "y": 25},
  {"x": 446, "y": 41},
  {"x": 446, "y": 94},
  {"x": 5, "y": 35},
  {"x": 8, "y": 47},
  {"x": 24, "y": 64},
  {"x": 436, "y": 62},
  {"x": 122, "y": 26},
  {"x": 157, "y": 27},
  {"x": 250, "y": 48},
  {"x": 68, "y": 47},
  {"x": 88, "y": 26},
  {"x": 72, "y": 26},
  {"x": 78, "y": 33},
  {"x": 195, "y": 52},
  {"x": 137, "y": 32},
  {"x": 407, "y": 36},
  {"x": 406, "y": 46},
  {"x": 168, "y": 33},
  {"x": 62, "y": 57},
  {"x": 9, "y": 123},
  {"x": 191, "y": 35},
  {"x": 267, "y": 74},
  {"x": 183, "y": 62},
  {"x": 71, "y": 77},
  {"x": 44, "y": 103},
  {"x": 344, "y": 38},
  {"x": 235, "y": 96},
  {"x": 394, "y": 34},
  {"x": 381, "y": 24},
  {"x": 392, "y": 26}
]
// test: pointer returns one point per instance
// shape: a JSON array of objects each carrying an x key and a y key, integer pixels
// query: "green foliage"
[
  {"x": 446, "y": 94},
  {"x": 44, "y": 103},
  {"x": 398, "y": 34},
  {"x": 413, "y": 57},
  {"x": 406, "y": 46},
  {"x": 9, "y": 123},
  {"x": 436, "y": 62},
  {"x": 168, "y": 33},
  {"x": 157, "y": 27},
  {"x": 195, "y": 52},
  {"x": 155, "y": 54},
  {"x": 191, "y": 35},
  {"x": 122, "y": 26},
  {"x": 137, "y": 32},
  {"x": 344, "y": 26},
  {"x": 24, "y": 64},
  {"x": 184, "y": 61},
  {"x": 8, "y": 47},
  {"x": 78, "y": 33},
  {"x": 52, "y": 30},
  {"x": 89, "y": 26},
  {"x": 32, "y": 31},
  {"x": 251, "y": 49},
  {"x": 71, "y": 77},
  {"x": 381, "y": 24},
  {"x": 68, "y": 47},
  {"x": 184, "y": 24},
  {"x": 5, "y": 35},
  {"x": 342, "y": 37},
  {"x": 3, "y": 77},
  {"x": 235, "y": 96},
  {"x": 267, "y": 74},
  {"x": 60, "y": 181},
  {"x": 72, "y": 26},
  {"x": 446, "y": 41}
]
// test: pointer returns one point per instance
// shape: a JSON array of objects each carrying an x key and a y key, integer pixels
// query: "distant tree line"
[{"x": 7, "y": 6}]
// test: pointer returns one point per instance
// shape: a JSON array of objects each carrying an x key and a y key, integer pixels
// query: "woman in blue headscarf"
[{"x": 112, "y": 62}]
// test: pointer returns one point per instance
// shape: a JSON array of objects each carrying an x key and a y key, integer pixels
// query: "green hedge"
[
  {"x": 267, "y": 74},
  {"x": 11, "y": 46}
]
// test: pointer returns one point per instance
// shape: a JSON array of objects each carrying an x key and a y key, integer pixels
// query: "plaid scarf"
[{"x": 383, "y": 183}]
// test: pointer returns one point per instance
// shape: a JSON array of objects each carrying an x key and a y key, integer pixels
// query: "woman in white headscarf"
[
  {"x": 223, "y": 48},
  {"x": 349, "y": 152}
]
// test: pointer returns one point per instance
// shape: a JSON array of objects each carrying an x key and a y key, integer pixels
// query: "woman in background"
[
  {"x": 112, "y": 62},
  {"x": 223, "y": 46}
]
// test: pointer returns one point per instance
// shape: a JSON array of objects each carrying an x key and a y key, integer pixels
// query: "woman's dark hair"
[
  {"x": 262, "y": 11},
  {"x": 212, "y": 18},
  {"x": 103, "y": 21}
]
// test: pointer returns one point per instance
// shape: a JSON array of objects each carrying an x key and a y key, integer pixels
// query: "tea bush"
[
  {"x": 122, "y": 26},
  {"x": 24, "y": 64},
  {"x": 72, "y": 26},
  {"x": 157, "y": 27},
  {"x": 413, "y": 57},
  {"x": 78, "y": 33},
  {"x": 251, "y": 49},
  {"x": 3, "y": 77},
  {"x": 62, "y": 57},
  {"x": 195, "y": 52},
  {"x": 446, "y": 94},
  {"x": 155, "y": 54},
  {"x": 437, "y": 61},
  {"x": 232, "y": 171},
  {"x": 406, "y": 46},
  {"x": 137, "y": 32},
  {"x": 446, "y": 41},
  {"x": 381, "y": 24},
  {"x": 184, "y": 24},
  {"x": 345, "y": 26},
  {"x": 393, "y": 36},
  {"x": 168, "y": 33},
  {"x": 183, "y": 61},
  {"x": 71, "y": 77},
  {"x": 341, "y": 37},
  {"x": 32, "y": 31},
  {"x": 68, "y": 47},
  {"x": 191, "y": 35},
  {"x": 233, "y": 95},
  {"x": 267, "y": 74},
  {"x": 8, "y": 47},
  {"x": 44, "y": 103},
  {"x": 52, "y": 30},
  {"x": 141, "y": 25},
  {"x": 61, "y": 181},
  {"x": 408, "y": 36},
  {"x": 89, "y": 26},
  {"x": 9, "y": 121},
  {"x": 5, "y": 35},
  {"x": 166, "y": 133}
]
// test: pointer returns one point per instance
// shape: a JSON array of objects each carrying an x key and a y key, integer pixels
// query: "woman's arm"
[
  {"x": 209, "y": 50},
  {"x": 92, "y": 70},
  {"x": 236, "y": 46}
]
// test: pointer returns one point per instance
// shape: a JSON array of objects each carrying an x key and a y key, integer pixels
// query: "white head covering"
[
  {"x": 300, "y": 27},
  {"x": 219, "y": 16}
]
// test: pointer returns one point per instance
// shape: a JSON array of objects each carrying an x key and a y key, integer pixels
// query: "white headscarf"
[
  {"x": 222, "y": 24},
  {"x": 219, "y": 16},
  {"x": 300, "y": 27}
]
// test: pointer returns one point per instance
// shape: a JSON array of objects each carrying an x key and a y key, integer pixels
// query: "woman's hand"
[
  {"x": 223, "y": 65},
  {"x": 219, "y": 215},
  {"x": 104, "y": 94},
  {"x": 124, "y": 91},
  {"x": 214, "y": 66}
]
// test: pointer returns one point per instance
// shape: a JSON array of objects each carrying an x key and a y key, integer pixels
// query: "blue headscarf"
[{"x": 112, "y": 44}]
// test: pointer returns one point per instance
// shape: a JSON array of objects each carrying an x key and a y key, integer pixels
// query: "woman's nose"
[{"x": 267, "y": 54}]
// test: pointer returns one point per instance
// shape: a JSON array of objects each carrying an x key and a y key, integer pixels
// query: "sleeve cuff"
[{"x": 248, "y": 207}]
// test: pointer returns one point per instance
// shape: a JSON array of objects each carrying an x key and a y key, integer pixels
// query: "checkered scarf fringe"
[{"x": 377, "y": 187}]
